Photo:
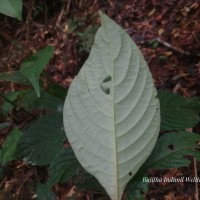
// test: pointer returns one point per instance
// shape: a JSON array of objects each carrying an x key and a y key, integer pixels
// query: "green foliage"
[
  {"x": 7, "y": 151},
  {"x": 43, "y": 193},
  {"x": 171, "y": 148},
  {"x": 7, "y": 106},
  {"x": 9, "y": 146},
  {"x": 33, "y": 66},
  {"x": 178, "y": 113},
  {"x": 12, "y": 8},
  {"x": 87, "y": 38},
  {"x": 63, "y": 167},
  {"x": 86, "y": 182},
  {"x": 42, "y": 141},
  {"x": 57, "y": 91},
  {"x": 136, "y": 188},
  {"x": 29, "y": 100},
  {"x": 14, "y": 76}
]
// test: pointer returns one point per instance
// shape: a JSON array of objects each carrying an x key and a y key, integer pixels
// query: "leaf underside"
[{"x": 111, "y": 113}]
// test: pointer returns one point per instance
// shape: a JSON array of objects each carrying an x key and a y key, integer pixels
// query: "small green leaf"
[
  {"x": 4, "y": 125},
  {"x": 12, "y": 8},
  {"x": 14, "y": 76},
  {"x": 64, "y": 165},
  {"x": 136, "y": 188},
  {"x": 43, "y": 140},
  {"x": 32, "y": 67},
  {"x": 9, "y": 146},
  {"x": 29, "y": 100},
  {"x": 177, "y": 112},
  {"x": 57, "y": 91},
  {"x": 85, "y": 181},
  {"x": 171, "y": 148},
  {"x": 43, "y": 193},
  {"x": 11, "y": 96}
]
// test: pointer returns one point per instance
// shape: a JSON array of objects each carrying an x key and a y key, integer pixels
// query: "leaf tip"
[{"x": 102, "y": 15}]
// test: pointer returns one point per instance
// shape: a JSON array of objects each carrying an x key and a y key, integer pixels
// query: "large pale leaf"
[{"x": 111, "y": 113}]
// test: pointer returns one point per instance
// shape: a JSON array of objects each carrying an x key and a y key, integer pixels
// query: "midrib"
[{"x": 114, "y": 133}]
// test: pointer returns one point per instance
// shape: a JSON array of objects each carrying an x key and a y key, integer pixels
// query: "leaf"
[
  {"x": 64, "y": 165},
  {"x": 111, "y": 113},
  {"x": 4, "y": 125},
  {"x": 42, "y": 141},
  {"x": 12, "y": 8},
  {"x": 12, "y": 97},
  {"x": 177, "y": 112},
  {"x": 171, "y": 148},
  {"x": 43, "y": 193},
  {"x": 86, "y": 182},
  {"x": 57, "y": 91},
  {"x": 30, "y": 100},
  {"x": 9, "y": 146},
  {"x": 136, "y": 188},
  {"x": 14, "y": 76},
  {"x": 32, "y": 67}
]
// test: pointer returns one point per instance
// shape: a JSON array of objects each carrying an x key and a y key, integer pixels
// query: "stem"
[
  {"x": 196, "y": 183},
  {"x": 15, "y": 105}
]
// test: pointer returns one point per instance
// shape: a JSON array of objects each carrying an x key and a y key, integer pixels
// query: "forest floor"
[{"x": 167, "y": 33}]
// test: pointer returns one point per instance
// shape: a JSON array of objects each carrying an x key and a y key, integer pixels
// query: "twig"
[
  {"x": 68, "y": 6},
  {"x": 59, "y": 18},
  {"x": 22, "y": 183},
  {"x": 196, "y": 183},
  {"x": 6, "y": 35},
  {"x": 15, "y": 105},
  {"x": 28, "y": 19},
  {"x": 172, "y": 47}
]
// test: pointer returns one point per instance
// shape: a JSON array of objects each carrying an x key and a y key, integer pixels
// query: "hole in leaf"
[
  {"x": 171, "y": 147},
  {"x": 105, "y": 85},
  {"x": 130, "y": 174},
  {"x": 107, "y": 79},
  {"x": 107, "y": 91}
]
